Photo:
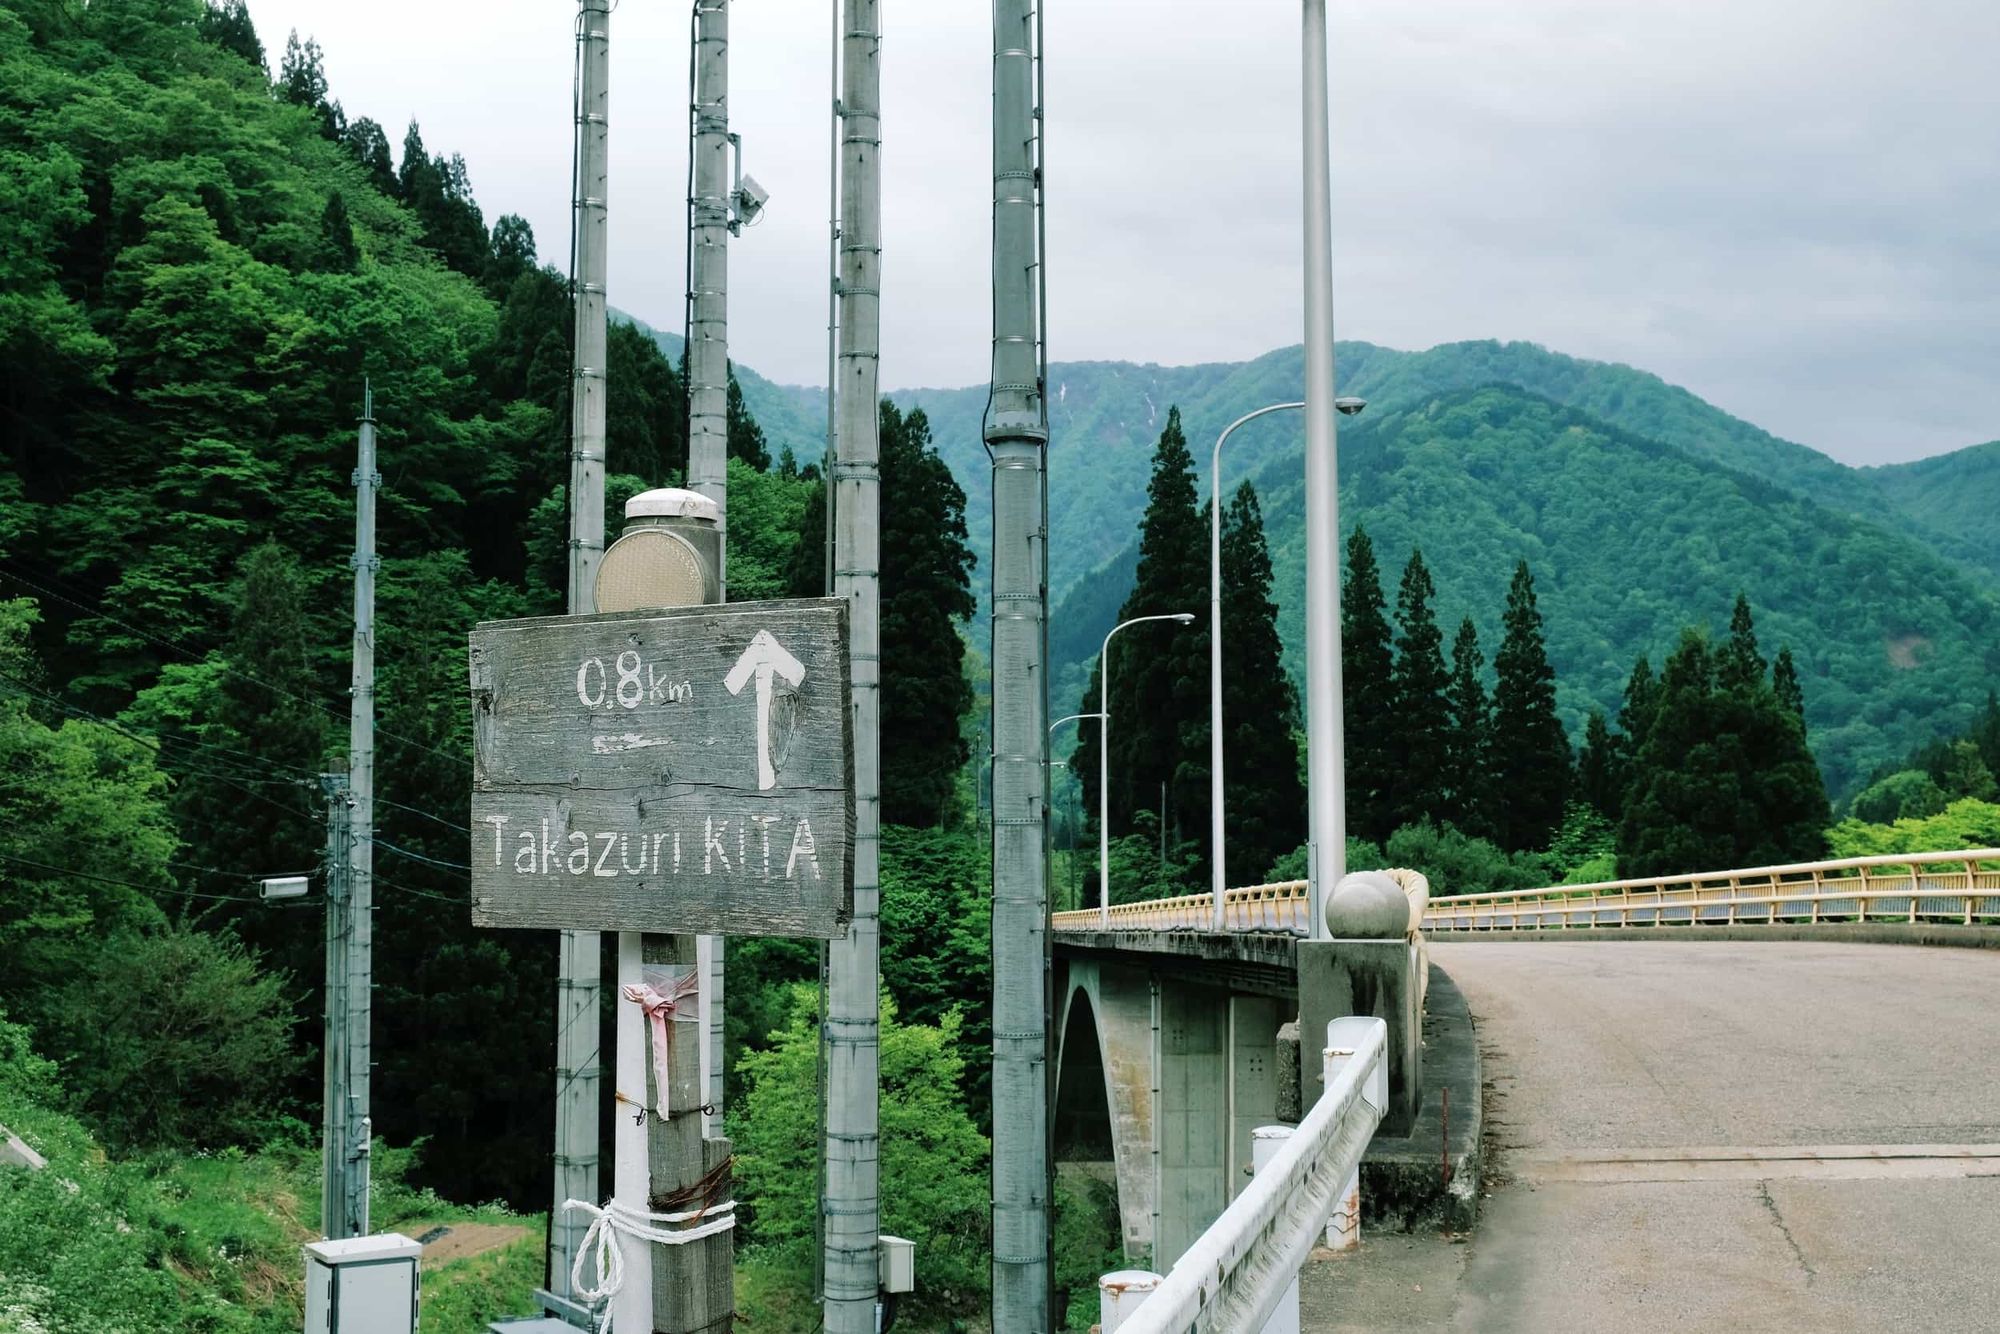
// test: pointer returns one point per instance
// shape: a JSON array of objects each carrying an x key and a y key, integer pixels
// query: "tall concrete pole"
[
  {"x": 336, "y": 1141},
  {"x": 1326, "y": 780},
  {"x": 361, "y": 824},
  {"x": 708, "y": 295},
  {"x": 1017, "y": 433},
  {"x": 708, "y": 401},
  {"x": 579, "y": 1058},
  {"x": 852, "y": 1212}
]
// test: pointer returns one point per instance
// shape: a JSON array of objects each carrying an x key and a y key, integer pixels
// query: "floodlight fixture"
[{"x": 670, "y": 554}]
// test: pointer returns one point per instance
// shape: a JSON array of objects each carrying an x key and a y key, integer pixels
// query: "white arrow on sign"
[{"x": 764, "y": 658}]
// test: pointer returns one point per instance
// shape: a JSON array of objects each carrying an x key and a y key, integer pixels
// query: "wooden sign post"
[{"x": 680, "y": 771}]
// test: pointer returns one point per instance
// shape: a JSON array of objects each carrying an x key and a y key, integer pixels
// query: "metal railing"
[
  {"x": 1942, "y": 887},
  {"x": 1284, "y": 907},
  {"x": 1236, "y": 1273}
]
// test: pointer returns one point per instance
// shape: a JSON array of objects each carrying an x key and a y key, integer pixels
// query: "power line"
[
  {"x": 151, "y": 891},
  {"x": 387, "y": 846},
  {"x": 159, "y": 742},
  {"x": 184, "y": 651},
  {"x": 381, "y": 879},
  {"x": 78, "y": 711}
]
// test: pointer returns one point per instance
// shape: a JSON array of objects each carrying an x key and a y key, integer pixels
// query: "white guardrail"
[
  {"x": 1237, "y": 1273},
  {"x": 1959, "y": 888}
]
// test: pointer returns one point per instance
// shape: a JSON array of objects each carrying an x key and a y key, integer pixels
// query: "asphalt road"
[{"x": 1694, "y": 1136}]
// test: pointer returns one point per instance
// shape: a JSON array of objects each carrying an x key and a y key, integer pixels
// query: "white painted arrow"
[{"x": 765, "y": 657}]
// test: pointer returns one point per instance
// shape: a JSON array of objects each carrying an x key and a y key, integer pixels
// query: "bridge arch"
[{"x": 1104, "y": 1086}]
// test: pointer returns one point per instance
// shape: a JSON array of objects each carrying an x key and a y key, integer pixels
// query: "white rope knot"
[{"x": 600, "y": 1243}]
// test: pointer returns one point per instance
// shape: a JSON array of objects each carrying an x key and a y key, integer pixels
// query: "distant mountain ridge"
[{"x": 1640, "y": 507}]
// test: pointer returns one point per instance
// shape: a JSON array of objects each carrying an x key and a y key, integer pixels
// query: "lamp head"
[
  {"x": 1349, "y": 406},
  {"x": 1184, "y": 616}
]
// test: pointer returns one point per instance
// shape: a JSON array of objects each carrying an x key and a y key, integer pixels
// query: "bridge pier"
[
  {"x": 1253, "y": 1080},
  {"x": 1183, "y": 1073}
]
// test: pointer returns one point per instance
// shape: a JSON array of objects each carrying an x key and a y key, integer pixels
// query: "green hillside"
[
  {"x": 1952, "y": 501},
  {"x": 1631, "y": 539}
]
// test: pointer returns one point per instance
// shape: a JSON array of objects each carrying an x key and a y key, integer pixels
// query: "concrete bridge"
[
  {"x": 1176, "y": 1044},
  {"x": 1682, "y": 1073}
]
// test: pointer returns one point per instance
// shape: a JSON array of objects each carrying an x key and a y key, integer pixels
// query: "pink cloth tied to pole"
[{"x": 662, "y": 1010}]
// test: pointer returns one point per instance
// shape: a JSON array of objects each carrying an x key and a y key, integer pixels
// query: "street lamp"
[
  {"x": 1103, "y": 765},
  {"x": 1217, "y": 884},
  {"x": 1057, "y": 764}
]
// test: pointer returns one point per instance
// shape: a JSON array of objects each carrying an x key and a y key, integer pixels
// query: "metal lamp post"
[
  {"x": 1056, "y": 764},
  {"x": 1218, "y": 885},
  {"x": 1216, "y": 879},
  {"x": 1103, "y": 765}
]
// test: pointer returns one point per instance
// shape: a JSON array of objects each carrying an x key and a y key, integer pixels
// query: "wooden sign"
[{"x": 688, "y": 770}]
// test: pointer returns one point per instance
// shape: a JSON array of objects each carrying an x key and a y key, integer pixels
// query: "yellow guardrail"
[
  {"x": 1285, "y": 906},
  {"x": 1951, "y": 887},
  {"x": 1278, "y": 907}
]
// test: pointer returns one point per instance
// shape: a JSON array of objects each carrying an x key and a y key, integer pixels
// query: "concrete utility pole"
[
  {"x": 336, "y": 1207},
  {"x": 361, "y": 833},
  {"x": 708, "y": 396},
  {"x": 1017, "y": 434},
  {"x": 850, "y": 1280},
  {"x": 708, "y": 294},
  {"x": 579, "y": 1060},
  {"x": 1326, "y": 778}
]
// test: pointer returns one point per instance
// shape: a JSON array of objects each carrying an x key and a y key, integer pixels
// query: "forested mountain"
[
  {"x": 1952, "y": 500},
  {"x": 1874, "y": 575},
  {"x": 1630, "y": 540}
]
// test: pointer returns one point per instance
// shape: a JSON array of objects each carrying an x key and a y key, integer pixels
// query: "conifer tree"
[
  {"x": 746, "y": 437},
  {"x": 926, "y": 598},
  {"x": 1266, "y": 798},
  {"x": 1723, "y": 780},
  {"x": 1739, "y": 666},
  {"x": 1985, "y": 732},
  {"x": 1635, "y": 714},
  {"x": 1531, "y": 757},
  {"x": 337, "y": 251},
  {"x": 370, "y": 146},
  {"x": 1368, "y": 695},
  {"x": 1159, "y": 672},
  {"x": 1785, "y": 685},
  {"x": 808, "y": 572},
  {"x": 227, "y": 24},
  {"x": 1419, "y": 682},
  {"x": 1468, "y": 795},
  {"x": 250, "y": 804},
  {"x": 1601, "y": 769}
]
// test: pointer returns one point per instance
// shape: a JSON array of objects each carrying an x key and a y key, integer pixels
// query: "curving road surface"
[{"x": 1714, "y": 1136}]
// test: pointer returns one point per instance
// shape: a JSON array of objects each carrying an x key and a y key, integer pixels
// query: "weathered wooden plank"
[{"x": 687, "y": 770}]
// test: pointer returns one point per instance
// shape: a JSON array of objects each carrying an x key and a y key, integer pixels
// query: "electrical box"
[
  {"x": 897, "y": 1257},
  {"x": 363, "y": 1285}
]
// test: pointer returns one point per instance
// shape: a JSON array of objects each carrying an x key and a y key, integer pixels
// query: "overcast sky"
[{"x": 1791, "y": 207}]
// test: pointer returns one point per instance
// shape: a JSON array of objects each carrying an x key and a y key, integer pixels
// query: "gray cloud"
[{"x": 1785, "y": 205}]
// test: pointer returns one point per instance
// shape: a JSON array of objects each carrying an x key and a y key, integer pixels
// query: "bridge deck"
[{"x": 1714, "y": 1136}]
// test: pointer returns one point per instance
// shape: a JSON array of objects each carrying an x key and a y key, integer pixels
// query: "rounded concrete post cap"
[{"x": 1367, "y": 905}]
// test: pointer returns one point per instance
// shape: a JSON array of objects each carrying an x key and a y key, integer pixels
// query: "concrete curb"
[
  {"x": 1853, "y": 933},
  {"x": 1404, "y": 1180}
]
